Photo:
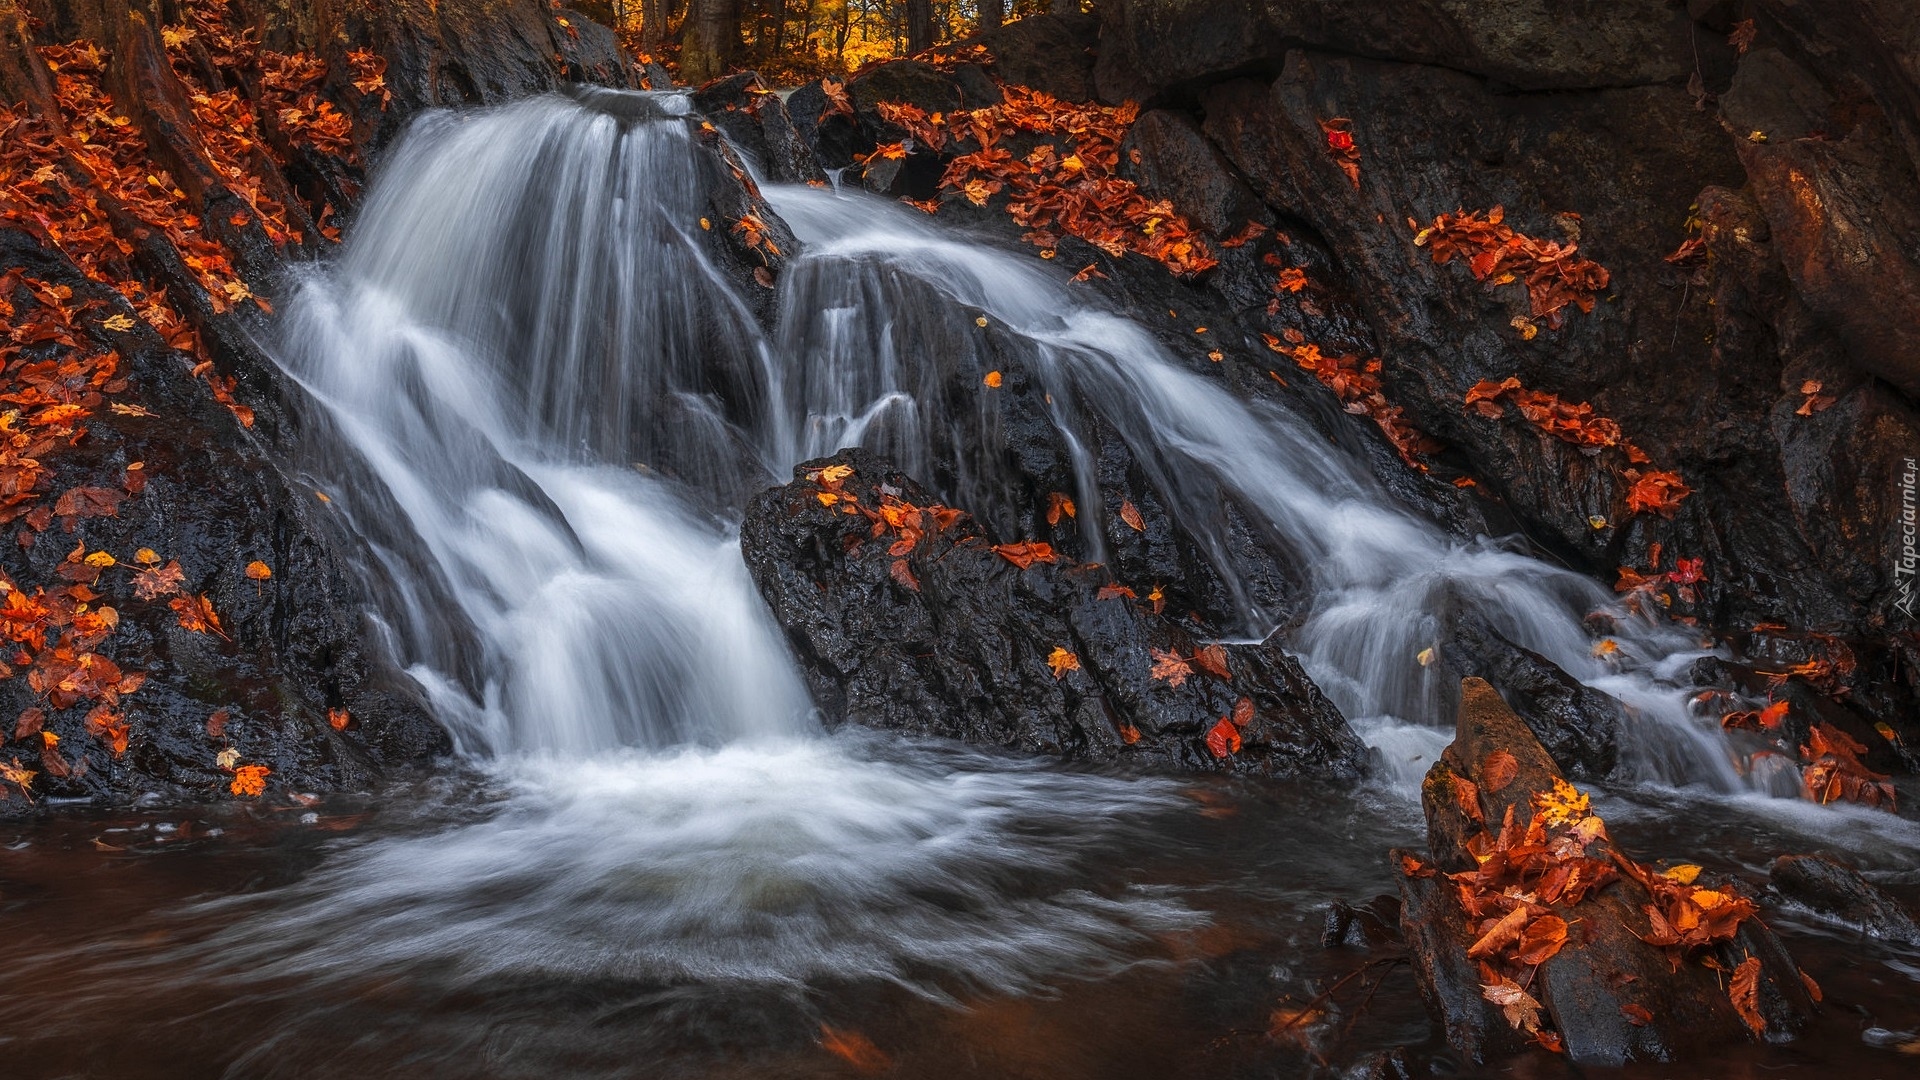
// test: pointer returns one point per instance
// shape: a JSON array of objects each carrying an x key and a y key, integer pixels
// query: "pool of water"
[{"x": 826, "y": 907}]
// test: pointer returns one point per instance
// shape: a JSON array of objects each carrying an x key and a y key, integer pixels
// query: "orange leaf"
[
  {"x": 1058, "y": 504},
  {"x": 902, "y": 573},
  {"x": 1112, "y": 590},
  {"x": 1062, "y": 661},
  {"x": 338, "y": 719},
  {"x": 250, "y": 780},
  {"x": 1223, "y": 738},
  {"x": 1170, "y": 666},
  {"x": 1130, "y": 514},
  {"x": 1026, "y": 554},
  {"x": 258, "y": 571},
  {"x": 1541, "y": 939}
]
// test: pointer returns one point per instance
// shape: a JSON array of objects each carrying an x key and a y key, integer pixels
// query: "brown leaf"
[
  {"x": 1503, "y": 932},
  {"x": 217, "y": 724},
  {"x": 1542, "y": 939},
  {"x": 1213, "y": 659},
  {"x": 1637, "y": 1015},
  {"x": 1130, "y": 514},
  {"x": 902, "y": 573},
  {"x": 1169, "y": 666},
  {"x": 1745, "y": 992},
  {"x": 1499, "y": 770}
]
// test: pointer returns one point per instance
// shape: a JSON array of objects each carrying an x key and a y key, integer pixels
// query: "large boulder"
[{"x": 905, "y": 615}]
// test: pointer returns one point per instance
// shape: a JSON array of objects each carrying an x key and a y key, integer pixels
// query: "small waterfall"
[
  {"x": 523, "y": 336},
  {"x": 520, "y": 330}
]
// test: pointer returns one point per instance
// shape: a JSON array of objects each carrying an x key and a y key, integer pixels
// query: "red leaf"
[{"x": 1223, "y": 738}]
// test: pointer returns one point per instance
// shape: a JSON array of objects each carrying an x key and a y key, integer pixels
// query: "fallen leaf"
[
  {"x": 1542, "y": 938},
  {"x": 250, "y": 780},
  {"x": 1213, "y": 660},
  {"x": 338, "y": 719},
  {"x": 1062, "y": 661},
  {"x": 1745, "y": 992},
  {"x": 1170, "y": 667},
  {"x": 1637, "y": 1015},
  {"x": 1499, "y": 770},
  {"x": 992, "y": 379},
  {"x": 258, "y": 571},
  {"x": 1223, "y": 739},
  {"x": 1130, "y": 514}
]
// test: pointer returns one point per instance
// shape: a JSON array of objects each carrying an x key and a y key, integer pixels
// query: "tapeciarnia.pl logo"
[{"x": 1904, "y": 566}]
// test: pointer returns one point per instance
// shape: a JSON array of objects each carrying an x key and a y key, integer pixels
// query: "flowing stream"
[{"x": 545, "y": 404}]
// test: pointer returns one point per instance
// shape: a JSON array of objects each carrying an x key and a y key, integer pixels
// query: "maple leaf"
[
  {"x": 250, "y": 780},
  {"x": 1656, "y": 492},
  {"x": 1024, "y": 555},
  {"x": 1061, "y": 661},
  {"x": 1223, "y": 739},
  {"x": 1213, "y": 659},
  {"x": 1744, "y": 991},
  {"x": 157, "y": 581},
  {"x": 1170, "y": 667},
  {"x": 838, "y": 104},
  {"x": 1563, "y": 805},
  {"x": 19, "y": 777},
  {"x": 855, "y": 1049}
]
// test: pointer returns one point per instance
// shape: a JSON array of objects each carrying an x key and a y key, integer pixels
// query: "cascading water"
[{"x": 524, "y": 324}]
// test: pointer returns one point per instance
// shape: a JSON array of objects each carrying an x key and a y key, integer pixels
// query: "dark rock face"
[
  {"x": 1610, "y": 127},
  {"x": 1834, "y": 890},
  {"x": 944, "y": 636},
  {"x": 756, "y": 120}
]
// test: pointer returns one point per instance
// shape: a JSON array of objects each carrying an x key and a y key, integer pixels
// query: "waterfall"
[{"x": 523, "y": 337}]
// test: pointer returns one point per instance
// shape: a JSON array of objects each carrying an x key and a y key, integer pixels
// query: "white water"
[{"x": 524, "y": 335}]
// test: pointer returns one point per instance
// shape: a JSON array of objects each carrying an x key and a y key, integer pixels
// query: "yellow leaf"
[
  {"x": 705, "y": 224},
  {"x": 120, "y": 323},
  {"x": 1062, "y": 661},
  {"x": 101, "y": 559},
  {"x": 827, "y": 498},
  {"x": 1425, "y": 656},
  {"x": 1682, "y": 874},
  {"x": 146, "y": 557},
  {"x": 227, "y": 758},
  {"x": 259, "y": 571},
  {"x": 834, "y": 474}
]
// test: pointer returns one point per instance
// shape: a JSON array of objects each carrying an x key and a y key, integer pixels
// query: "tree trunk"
[
  {"x": 653, "y": 24},
  {"x": 990, "y": 14},
  {"x": 712, "y": 36},
  {"x": 919, "y": 26}
]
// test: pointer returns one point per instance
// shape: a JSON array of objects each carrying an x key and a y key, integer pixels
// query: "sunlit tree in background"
[{"x": 798, "y": 40}]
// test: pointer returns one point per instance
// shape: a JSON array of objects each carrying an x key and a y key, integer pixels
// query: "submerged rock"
[
  {"x": 904, "y": 615},
  {"x": 1833, "y": 890}
]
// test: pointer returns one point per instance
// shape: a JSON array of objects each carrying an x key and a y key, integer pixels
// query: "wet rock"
[
  {"x": 1374, "y": 924},
  {"x": 1608, "y": 994},
  {"x": 1150, "y": 48},
  {"x": 1579, "y": 726},
  {"x": 291, "y": 649},
  {"x": 755, "y": 118},
  {"x": 944, "y": 636},
  {"x": 1833, "y": 890},
  {"x": 1050, "y": 53}
]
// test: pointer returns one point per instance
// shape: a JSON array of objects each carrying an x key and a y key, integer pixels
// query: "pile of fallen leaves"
[
  {"x": 1554, "y": 274},
  {"x": 1357, "y": 385},
  {"x": 1649, "y": 490},
  {"x": 1519, "y": 899},
  {"x": 1065, "y": 185}
]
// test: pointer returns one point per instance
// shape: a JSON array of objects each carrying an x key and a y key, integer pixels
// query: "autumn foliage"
[
  {"x": 1065, "y": 183},
  {"x": 1554, "y": 274},
  {"x": 1648, "y": 490},
  {"x": 1357, "y": 384}
]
